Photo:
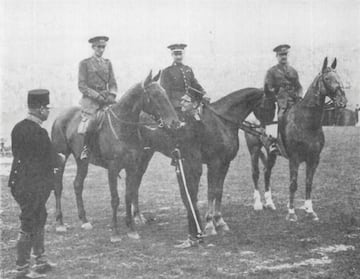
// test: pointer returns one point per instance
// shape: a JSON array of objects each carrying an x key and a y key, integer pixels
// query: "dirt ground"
[{"x": 260, "y": 245}]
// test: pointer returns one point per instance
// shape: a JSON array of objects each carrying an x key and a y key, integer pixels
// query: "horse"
[
  {"x": 212, "y": 141},
  {"x": 303, "y": 139},
  {"x": 119, "y": 146}
]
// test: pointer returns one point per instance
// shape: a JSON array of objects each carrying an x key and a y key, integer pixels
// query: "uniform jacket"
[
  {"x": 284, "y": 83},
  {"x": 175, "y": 79},
  {"x": 96, "y": 76},
  {"x": 34, "y": 158}
]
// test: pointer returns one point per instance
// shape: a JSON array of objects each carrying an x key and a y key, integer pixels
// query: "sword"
[{"x": 181, "y": 175}]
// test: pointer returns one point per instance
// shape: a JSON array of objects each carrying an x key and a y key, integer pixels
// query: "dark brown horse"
[
  {"x": 303, "y": 139},
  {"x": 213, "y": 141},
  {"x": 118, "y": 141}
]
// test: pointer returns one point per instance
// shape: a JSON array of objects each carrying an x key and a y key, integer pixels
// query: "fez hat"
[
  {"x": 280, "y": 49},
  {"x": 98, "y": 40},
  {"x": 38, "y": 98},
  {"x": 177, "y": 47}
]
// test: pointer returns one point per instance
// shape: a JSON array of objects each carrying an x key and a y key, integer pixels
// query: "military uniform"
[
  {"x": 283, "y": 81},
  {"x": 178, "y": 79},
  {"x": 98, "y": 86},
  {"x": 31, "y": 181}
]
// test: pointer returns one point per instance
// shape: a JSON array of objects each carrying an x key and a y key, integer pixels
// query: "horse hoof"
[
  {"x": 270, "y": 206},
  {"x": 291, "y": 217},
  {"x": 115, "y": 238},
  {"x": 313, "y": 216},
  {"x": 87, "y": 226},
  {"x": 210, "y": 229},
  {"x": 140, "y": 220},
  {"x": 221, "y": 225},
  {"x": 258, "y": 206},
  {"x": 61, "y": 229},
  {"x": 133, "y": 235}
]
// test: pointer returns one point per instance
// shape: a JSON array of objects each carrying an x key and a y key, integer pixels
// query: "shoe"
[
  {"x": 28, "y": 274},
  {"x": 44, "y": 267},
  {"x": 84, "y": 153}
]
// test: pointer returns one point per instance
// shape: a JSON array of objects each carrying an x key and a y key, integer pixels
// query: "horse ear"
[
  {"x": 324, "y": 67},
  {"x": 157, "y": 76},
  {"x": 333, "y": 64},
  {"x": 148, "y": 79}
]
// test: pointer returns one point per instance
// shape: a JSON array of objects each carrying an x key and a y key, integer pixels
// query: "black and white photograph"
[{"x": 146, "y": 139}]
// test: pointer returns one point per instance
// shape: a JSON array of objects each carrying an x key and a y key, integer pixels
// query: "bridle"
[{"x": 146, "y": 100}]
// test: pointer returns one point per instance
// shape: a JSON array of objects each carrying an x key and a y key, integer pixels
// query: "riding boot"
[
  {"x": 23, "y": 248},
  {"x": 86, "y": 151},
  {"x": 42, "y": 264}
]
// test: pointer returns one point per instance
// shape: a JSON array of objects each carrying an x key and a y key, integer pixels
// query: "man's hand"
[
  {"x": 100, "y": 99},
  {"x": 206, "y": 100}
]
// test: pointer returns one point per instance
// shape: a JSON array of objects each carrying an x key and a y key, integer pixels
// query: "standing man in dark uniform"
[
  {"x": 31, "y": 181},
  {"x": 178, "y": 78},
  {"x": 282, "y": 82},
  {"x": 98, "y": 86}
]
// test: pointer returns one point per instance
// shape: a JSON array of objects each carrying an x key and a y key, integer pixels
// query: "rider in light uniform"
[{"x": 98, "y": 85}]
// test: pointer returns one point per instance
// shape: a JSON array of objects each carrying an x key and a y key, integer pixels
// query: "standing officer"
[
  {"x": 31, "y": 181},
  {"x": 282, "y": 82},
  {"x": 98, "y": 85},
  {"x": 178, "y": 78}
]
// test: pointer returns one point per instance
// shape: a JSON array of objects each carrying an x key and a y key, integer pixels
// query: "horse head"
[
  {"x": 157, "y": 103},
  {"x": 332, "y": 85}
]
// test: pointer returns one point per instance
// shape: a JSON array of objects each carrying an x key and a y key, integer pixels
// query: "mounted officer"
[
  {"x": 31, "y": 181},
  {"x": 282, "y": 83},
  {"x": 98, "y": 85},
  {"x": 178, "y": 78}
]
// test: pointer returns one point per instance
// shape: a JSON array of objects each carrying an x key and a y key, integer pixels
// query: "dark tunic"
[
  {"x": 176, "y": 80},
  {"x": 283, "y": 82},
  {"x": 32, "y": 172}
]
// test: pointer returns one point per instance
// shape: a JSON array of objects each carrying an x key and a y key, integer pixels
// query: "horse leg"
[
  {"x": 311, "y": 166},
  {"x": 131, "y": 189},
  {"x": 113, "y": 171},
  {"x": 60, "y": 227},
  {"x": 81, "y": 172},
  {"x": 219, "y": 221},
  {"x": 255, "y": 152},
  {"x": 209, "y": 216},
  {"x": 270, "y": 162},
  {"x": 141, "y": 168},
  {"x": 294, "y": 168}
]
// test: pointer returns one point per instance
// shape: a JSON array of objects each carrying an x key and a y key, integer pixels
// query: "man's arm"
[
  {"x": 269, "y": 85},
  {"x": 165, "y": 80},
  {"x": 297, "y": 85},
  {"x": 195, "y": 84},
  {"x": 82, "y": 83},
  {"x": 112, "y": 81}
]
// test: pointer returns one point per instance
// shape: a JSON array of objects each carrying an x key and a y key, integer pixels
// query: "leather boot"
[{"x": 42, "y": 264}]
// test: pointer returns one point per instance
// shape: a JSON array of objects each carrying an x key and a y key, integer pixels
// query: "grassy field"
[{"x": 260, "y": 244}]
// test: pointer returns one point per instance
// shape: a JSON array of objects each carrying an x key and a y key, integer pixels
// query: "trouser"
[{"x": 33, "y": 218}]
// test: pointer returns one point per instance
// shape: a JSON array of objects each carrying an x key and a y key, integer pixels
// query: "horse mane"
[{"x": 226, "y": 103}]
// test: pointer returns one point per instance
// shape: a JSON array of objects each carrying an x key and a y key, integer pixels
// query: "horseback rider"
[
  {"x": 282, "y": 83},
  {"x": 179, "y": 78},
  {"x": 98, "y": 85}
]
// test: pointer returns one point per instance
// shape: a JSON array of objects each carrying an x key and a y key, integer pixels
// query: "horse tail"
[{"x": 58, "y": 131}]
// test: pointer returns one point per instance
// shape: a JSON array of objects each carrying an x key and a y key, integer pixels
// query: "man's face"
[
  {"x": 282, "y": 58},
  {"x": 186, "y": 104},
  {"x": 99, "y": 49},
  {"x": 178, "y": 56},
  {"x": 44, "y": 113}
]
